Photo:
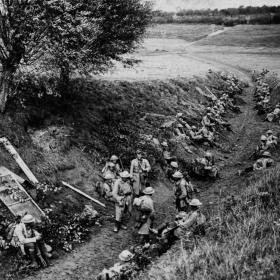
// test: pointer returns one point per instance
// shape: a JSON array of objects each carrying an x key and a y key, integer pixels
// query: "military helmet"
[
  {"x": 114, "y": 157},
  {"x": 263, "y": 138},
  {"x": 125, "y": 256},
  {"x": 195, "y": 202},
  {"x": 178, "y": 175},
  {"x": 266, "y": 154}
]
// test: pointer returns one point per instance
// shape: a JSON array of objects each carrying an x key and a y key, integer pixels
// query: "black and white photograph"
[{"x": 139, "y": 139}]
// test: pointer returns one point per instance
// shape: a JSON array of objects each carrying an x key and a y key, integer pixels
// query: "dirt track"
[{"x": 104, "y": 247}]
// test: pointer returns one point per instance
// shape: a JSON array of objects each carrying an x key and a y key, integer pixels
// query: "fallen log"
[
  {"x": 12, "y": 151},
  {"x": 84, "y": 194}
]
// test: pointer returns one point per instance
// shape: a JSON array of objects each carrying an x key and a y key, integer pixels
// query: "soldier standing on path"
[
  {"x": 122, "y": 194},
  {"x": 139, "y": 169},
  {"x": 183, "y": 191},
  {"x": 147, "y": 214}
]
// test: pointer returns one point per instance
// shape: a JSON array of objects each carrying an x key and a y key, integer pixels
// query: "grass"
[
  {"x": 187, "y": 32},
  {"x": 247, "y": 36},
  {"x": 243, "y": 241}
]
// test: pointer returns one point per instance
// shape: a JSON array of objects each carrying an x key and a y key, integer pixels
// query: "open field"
[{"x": 185, "y": 50}]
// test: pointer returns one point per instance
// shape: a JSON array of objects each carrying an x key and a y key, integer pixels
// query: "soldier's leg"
[
  {"x": 31, "y": 248},
  {"x": 118, "y": 217}
]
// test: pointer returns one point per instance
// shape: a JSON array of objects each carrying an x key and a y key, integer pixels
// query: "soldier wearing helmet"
[
  {"x": 193, "y": 222},
  {"x": 122, "y": 194},
  {"x": 112, "y": 166},
  {"x": 183, "y": 191},
  {"x": 264, "y": 162},
  {"x": 272, "y": 140},
  {"x": 139, "y": 170},
  {"x": 262, "y": 147}
]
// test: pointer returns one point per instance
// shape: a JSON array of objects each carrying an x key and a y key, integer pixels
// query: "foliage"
[
  {"x": 66, "y": 36},
  {"x": 228, "y": 17}
]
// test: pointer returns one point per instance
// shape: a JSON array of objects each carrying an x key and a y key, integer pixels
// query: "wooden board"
[
  {"x": 12, "y": 151},
  {"x": 16, "y": 199}
]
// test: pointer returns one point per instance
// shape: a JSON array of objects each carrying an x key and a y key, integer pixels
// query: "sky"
[{"x": 174, "y": 5}]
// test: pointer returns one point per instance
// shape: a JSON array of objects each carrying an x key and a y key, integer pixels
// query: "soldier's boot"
[
  {"x": 123, "y": 227},
  {"x": 117, "y": 226},
  {"x": 33, "y": 263}
]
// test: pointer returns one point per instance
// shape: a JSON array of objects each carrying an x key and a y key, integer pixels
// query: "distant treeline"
[{"x": 229, "y": 17}]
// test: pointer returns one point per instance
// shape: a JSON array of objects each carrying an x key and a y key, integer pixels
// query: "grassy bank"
[{"x": 243, "y": 241}]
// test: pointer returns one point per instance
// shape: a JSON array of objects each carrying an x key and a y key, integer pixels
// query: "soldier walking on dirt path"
[
  {"x": 147, "y": 214},
  {"x": 122, "y": 194},
  {"x": 139, "y": 169}
]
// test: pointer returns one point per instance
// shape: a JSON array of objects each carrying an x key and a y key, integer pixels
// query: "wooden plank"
[
  {"x": 27, "y": 204},
  {"x": 5, "y": 171},
  {"x": 12, "y": 151},
  {"x": 83, "y": 194}
]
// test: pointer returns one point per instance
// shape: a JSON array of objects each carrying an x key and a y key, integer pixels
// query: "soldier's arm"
[
  {"x": 115, "y": 191},
  {"x": 147, "y": 166},
  {"x": 131, "y": 167},
  {"x": 183, "y": 192},
  {"x": 190, "y": 221}
]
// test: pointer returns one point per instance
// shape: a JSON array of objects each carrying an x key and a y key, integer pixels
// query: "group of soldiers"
[
  {"x": 262, "y": 96},
  {"x": 211, "y": 122},
  {"x": 262, "y": 153},
  {"x": 185, "y": 225}
]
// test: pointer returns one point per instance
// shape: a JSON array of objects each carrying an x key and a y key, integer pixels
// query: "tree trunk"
[{"x": 5, "y": 87}]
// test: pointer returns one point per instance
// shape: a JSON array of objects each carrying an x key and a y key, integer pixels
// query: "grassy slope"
[
  {"x": 242, "y": 243},
  {"x": 242, "y": 240}
]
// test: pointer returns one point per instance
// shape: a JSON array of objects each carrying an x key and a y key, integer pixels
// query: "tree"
[{"x": 70, "y": 35}]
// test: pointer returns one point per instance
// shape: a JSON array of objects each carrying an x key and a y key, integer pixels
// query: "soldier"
[
  {"x": 274, "y": 115},
  {"x": 206, "y": 166},
  {"x": 262, "y": 147},
  {"x": 193, "y": 222},
  {"x": 122, "y": 194},
  {"x": 118, "y": 271},
  {"x": 271, "y": 139},
  {"x": 264, "y": 162},
  {"x": 112, "y": 165},
  {"x": 206, "y": 120},
  {"x": 109, "y": 180},
  {"x": 147, "y": 214},
  {"x": 183, "y": 191},
  {"x": 110, "y": 169},
  {"x": 139, "y": 169},
  {"x": 32, "y": 241}
]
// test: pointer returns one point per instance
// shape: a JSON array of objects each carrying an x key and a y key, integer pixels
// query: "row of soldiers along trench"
[{"x": 131, "y": 192}]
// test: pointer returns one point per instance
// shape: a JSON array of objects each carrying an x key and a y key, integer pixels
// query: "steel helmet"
[
  {"x": 178, "y": 175},
  {"x": 125, "y": 174},
  {"x": 266, "y": 154},
  {"x": 109, "y": 176},
  {"x": 111, "y": 164},
  {"x": 174, "y": 164},
  {"x": 27, "y": 219},
  {"x": 269, "y": 131},
  {"x": 195, "y": 202},
  {"x": 148, "y": 190},
  {"x": 179, "y": 115},
  {"x": 114, "y": 157},
  {"x": 164, "y": 144},
  {"x": 263, "y": 138},
  {"x": 125, "y": 256},
  {"x": 208, "y": 154}
]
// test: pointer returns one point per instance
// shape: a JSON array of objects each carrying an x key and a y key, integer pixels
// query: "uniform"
[
  {"x": 183, "y": 193},
  {"x": 263, "y": 163},
  {"x": 122, "y": 194},
  {"x": 194, "y": 221},
  {"x": 147, "y": 209},
  {"x": 139, "y": 170}
]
